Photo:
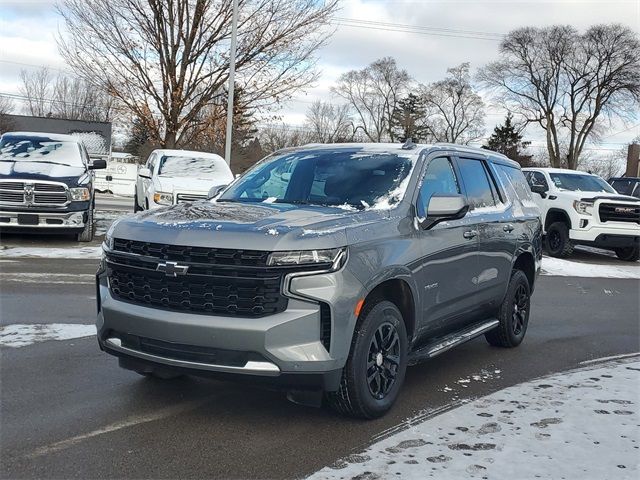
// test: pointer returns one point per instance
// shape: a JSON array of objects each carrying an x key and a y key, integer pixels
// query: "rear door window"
[{"x": 480, "y": 192}]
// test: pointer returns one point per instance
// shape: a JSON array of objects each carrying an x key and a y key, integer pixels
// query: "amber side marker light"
[{"x": 359, "y": 307}]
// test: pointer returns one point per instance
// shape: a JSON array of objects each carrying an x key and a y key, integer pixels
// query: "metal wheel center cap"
[{"x": 379, "y": 359}]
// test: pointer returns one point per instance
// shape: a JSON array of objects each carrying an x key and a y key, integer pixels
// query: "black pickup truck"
[{"x": 46, "y": 184}]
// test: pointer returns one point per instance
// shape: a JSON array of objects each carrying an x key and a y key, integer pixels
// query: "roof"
[
  {"x": 559, "y": 170},
  {"x": 187, "y": 153},
  {"x": 58, "y": 137}
]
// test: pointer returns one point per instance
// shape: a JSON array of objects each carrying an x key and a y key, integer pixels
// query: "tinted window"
[
  {"x": 626, "y": 186},
  {"x": 514, "y": 182},
  {"x": 439, "y": 177},
  {"x": 476, "y": 182},
  {"x": 354, "y": 177},
  {"x": 537, "y": 178}
]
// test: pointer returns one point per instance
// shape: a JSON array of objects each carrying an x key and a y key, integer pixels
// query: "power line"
[{"x": 422, "y": 28}]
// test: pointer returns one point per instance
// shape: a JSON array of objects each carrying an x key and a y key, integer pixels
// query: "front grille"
[
  {"x": 176, "y": 253},
  {"x": 612, "y": 212},
  {"x": 220, "y": 295},
  {"x": 28, "y": 193},
  {"x": 187, "y": 197},
  {"x": 50, "y": 198}
]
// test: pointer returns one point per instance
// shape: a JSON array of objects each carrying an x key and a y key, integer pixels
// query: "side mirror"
[
  {"x": 443, "y": 207},
  {"x": 215, "y": 191},
  {"x": 144, "y": 172},
  {"x": 97, "y": 164},
  {"x": 540, "y": 190}
]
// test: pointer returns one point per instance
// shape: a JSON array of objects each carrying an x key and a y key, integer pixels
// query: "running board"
[{"x": 446, "y": 343}]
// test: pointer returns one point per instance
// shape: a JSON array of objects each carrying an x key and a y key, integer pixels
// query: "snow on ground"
[
  {"x": 560, "y": 267},
  {"x": 52, "y": 252},
  {"x": 578, "y": 424},
  {"x": 21, "y": 335}
]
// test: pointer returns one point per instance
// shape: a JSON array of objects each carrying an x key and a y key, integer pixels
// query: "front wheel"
[
  {"x": 86, "y": 235},
  {"x": 514, "y": 313},
  {"x": 628, "y": 254},
  {"x": 558, "y": 241},
  {"x": 377, "y": 363}
]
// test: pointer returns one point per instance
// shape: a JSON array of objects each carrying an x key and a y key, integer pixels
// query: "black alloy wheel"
[{"x": 383, "y": 360}]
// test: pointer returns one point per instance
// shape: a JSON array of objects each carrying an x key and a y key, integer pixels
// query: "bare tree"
[
  {"x": 36, "y": 89},
  {"x": 454, "y": 111},
  {"x": 569, "y": 84},
  {"x": 329, "y": 123},
  {"x": 6, "y": 107},
  {"x": 171, "y": 57},
  {"x": 373, "y": 94},
  {"x": 278, "y": 136}
]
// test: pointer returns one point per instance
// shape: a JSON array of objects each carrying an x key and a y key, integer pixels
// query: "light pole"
[{"x": 232, "y": 73}]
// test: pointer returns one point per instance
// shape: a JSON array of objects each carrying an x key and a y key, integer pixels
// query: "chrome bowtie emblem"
[{"x": 172, "y": 269}]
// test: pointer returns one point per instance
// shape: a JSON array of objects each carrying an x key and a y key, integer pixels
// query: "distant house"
[{"x": 96, "y": 136}]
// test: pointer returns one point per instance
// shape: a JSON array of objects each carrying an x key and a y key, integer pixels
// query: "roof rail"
[{"x": 409, "y": 145}]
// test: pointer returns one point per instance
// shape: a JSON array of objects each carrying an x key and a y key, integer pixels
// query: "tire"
[
  {"x": 86, "y": 235},
  {"x": 513, "y": 314},
  {"x": 628, "y": 254},
  {"x": 371, "y": 380},
  {"x": 557, "y": 240},
  {"x": 136, "y": 206}
]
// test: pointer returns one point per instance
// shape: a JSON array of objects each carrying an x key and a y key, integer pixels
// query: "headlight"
[
  {"x": 334, "y": 257},
  {"x": 585, "y": 208},
  {"x": 80, "y": 194},
  {"x": 108, "y": 238},
  {"x": 163, "y": 198}
]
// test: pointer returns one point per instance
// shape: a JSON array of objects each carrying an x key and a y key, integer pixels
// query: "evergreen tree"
[
  {"x": 506, "y": 139},
  {"x": 407, "y": 119}
]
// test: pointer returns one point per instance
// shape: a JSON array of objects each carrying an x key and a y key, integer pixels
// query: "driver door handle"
[
  {"x": 508, "y": 228},
  {"x": 470, "y": 234}
]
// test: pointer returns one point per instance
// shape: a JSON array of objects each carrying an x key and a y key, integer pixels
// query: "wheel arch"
[
  {"x": 556, "y": 215},
  {"x": 526, "y": 263}
]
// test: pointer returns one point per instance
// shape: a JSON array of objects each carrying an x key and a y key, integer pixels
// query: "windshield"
[
  {"x": 626, "y": 186},
  {"x": 24, "y": 148},
  {"x": 580, "y": 183},
  {"x": 341, "y": 177},
  {"x": 176, "y": 166}
]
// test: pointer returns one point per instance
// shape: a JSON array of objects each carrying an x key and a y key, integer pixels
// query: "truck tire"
[
  {"x": 557, "y": 239},
  {"x": 628, "y": 254},
  {"x": 513, "y": 314},
  {"x": 86, "y": 235},
  {"x": 375, "y": 369},
  {"x": 136, "y": 206}
]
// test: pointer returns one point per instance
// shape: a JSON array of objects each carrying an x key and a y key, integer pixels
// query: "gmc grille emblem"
[
  {"x": 625, "y": 210},
  {"x": 172, "y": 269}
]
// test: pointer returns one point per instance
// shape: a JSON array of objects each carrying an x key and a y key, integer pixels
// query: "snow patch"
[
  {"x": 20, "y": 335},
  {"x": 589, "y": 416},
  {"x": 36, "y": 252},
  {"x": 568, "y": 268}
]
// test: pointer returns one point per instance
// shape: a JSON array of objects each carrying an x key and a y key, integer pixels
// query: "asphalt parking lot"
[{"x": 68, "y": 411}]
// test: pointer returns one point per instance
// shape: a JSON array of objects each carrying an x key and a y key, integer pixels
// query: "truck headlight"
[
  {"x": 334, "y": 257},
  {"x": 163, "y": 198},
  {"x": 108, "y": 237},
  {"x": 80, "y": 194},
  {"x": 585, "y": 208}
]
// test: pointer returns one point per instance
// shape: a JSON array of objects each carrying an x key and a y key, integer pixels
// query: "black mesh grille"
[
  {"x": 177, "y": 253},
  {"x": 325, "y": 325},
  {"x": 611, "y": 212}
]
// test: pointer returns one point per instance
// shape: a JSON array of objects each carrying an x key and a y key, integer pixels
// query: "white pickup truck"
[
  {"x": 174, "y": 176},
  {"x": 579, "y": 208}
]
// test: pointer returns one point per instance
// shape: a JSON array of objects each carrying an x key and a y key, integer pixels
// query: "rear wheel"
[
  {"x": 558, "y": 241},
  {"x": 377, "y": 363},
  {"x": 628, "y": 254},
  {"x": 514, "y": 313}
]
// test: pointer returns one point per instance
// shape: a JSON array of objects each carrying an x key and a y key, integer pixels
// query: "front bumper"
[
  {"x": 609, "y": 236},
  {"x": 42, "y": 220},
  {"x": 281, "y": 348}
]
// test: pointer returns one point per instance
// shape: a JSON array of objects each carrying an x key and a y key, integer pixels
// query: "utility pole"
[{"x": 232, "y": 74}]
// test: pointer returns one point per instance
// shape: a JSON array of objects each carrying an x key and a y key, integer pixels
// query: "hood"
[
  {"x": 193, "y": 185},
  {"x": 593, "y": 196},
  {"x": 33, "y": 170},
  {"x": 268, "y": 227}
]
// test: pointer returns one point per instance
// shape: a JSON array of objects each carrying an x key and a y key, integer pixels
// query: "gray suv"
[{"x": 326, "y": 270}]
